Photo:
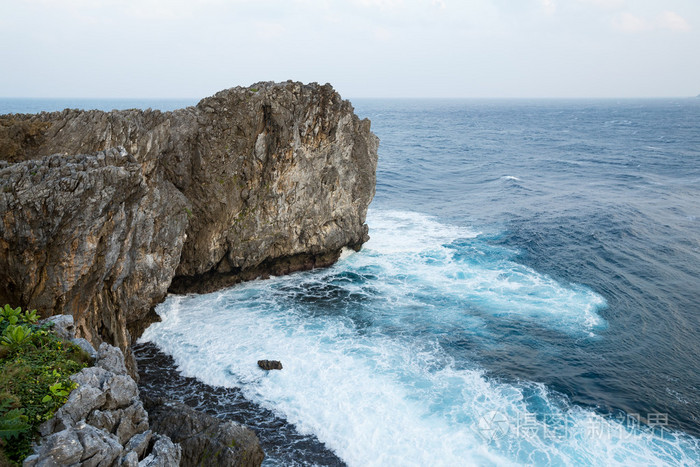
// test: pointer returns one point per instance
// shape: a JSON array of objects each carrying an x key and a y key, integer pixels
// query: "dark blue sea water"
[{"x": 530, "y": 295}]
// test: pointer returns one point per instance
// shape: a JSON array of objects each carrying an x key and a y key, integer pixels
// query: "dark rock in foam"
[{"x": 270, "y": 364}]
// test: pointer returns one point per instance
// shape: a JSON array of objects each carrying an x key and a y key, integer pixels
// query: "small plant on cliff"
[
  {"x": 15, "y": 335},
  {"x": 35, "y": 370},
  {"x": 13, "y": 422},
  {"x": 30, "y": 317},
  {"x": 58, "y": 392},
  {"x": 10, "y": 316}
]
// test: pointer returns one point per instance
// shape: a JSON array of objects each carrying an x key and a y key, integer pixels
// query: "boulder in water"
[{"x": 270, "y": 364}]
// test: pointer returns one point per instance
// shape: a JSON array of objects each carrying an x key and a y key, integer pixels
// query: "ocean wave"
[{"x": 386, "y": 397}]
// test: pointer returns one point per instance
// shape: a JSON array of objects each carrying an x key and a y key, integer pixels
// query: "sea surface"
[{"x": 530, "y": 295}]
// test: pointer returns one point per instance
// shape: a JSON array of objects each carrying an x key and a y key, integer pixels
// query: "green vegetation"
[{"x": 35, "y": 370}]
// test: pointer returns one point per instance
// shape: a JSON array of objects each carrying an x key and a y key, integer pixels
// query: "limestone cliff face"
[
  {"x": 91, "y": 236},
  {"x": 252, "y": 181}
]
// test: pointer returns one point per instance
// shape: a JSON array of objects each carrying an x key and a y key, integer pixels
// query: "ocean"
[{"x": 530, "y": 295}]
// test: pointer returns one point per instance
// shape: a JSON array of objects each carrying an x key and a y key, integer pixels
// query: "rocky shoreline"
[
  {"x": 106, "y": 421},
  {"x": 103, "y": 213},
  {"x": 282, "y": 443}
]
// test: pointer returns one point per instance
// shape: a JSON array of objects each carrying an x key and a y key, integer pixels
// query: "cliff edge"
[{"x": 102, "y": 213}]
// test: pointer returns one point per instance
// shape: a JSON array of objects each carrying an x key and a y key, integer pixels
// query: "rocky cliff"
[{"x": 101, "y": 213}]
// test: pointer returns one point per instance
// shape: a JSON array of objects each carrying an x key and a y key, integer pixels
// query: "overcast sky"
[{"x": 364, "y": 48}]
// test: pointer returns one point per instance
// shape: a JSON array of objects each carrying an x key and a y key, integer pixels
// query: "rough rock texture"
[
  {"x": 165, "y": 453},
  {"x": 270, "y": 364},
  {"x": 92, "y": 236},
  {"x": 205, "y": 440},
  {"x": 103, "y": 423},
  {"x": 252, "y": 181}
]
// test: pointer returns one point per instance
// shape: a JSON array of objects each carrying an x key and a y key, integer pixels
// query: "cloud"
[
  {"x": 400, "y": 4},
  {"x": 138, "y": 9},
  {"x": 605, "y": 4},
  {"x": 673, "y": 22},
  {"x": 549, "y": 6},
  {"x": 667, "y": 20},
  {"x": 627, "y": 22},
  {"x": 382, "y": 4}
]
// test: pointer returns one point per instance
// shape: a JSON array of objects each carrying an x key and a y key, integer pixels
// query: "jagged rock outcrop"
[
  {"x": 252, "y": 181},
  {"x": 103, "y": 423},
  {"x": 205, "y": 440}
]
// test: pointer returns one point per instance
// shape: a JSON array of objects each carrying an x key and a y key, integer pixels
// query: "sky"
[{"x": 364, "y": 48}]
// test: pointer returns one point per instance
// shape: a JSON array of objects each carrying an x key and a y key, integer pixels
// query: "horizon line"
[{"x": 373, "y": 97}]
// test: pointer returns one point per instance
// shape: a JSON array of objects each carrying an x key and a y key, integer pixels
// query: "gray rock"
[
  {"x": 165, "y": 453},
  {"x": 59, "y": 449},
  {"x": 133, "y": 420},
  {"x": 106, "y": 420},
  {"x": 130, "y": 459},
  {"x": 81, "y": 402},
  {"x": 92, "y": 376},
  {"x": 86, "y": 346},
  {"x": 139, "y": 443},
  {"x": 99, "y": 447},
  {"x": 205, "y": 439},
  {"x": 245, "y": 184},
  {"x": 62, "y": 325},
  {"x": 121, "y": 391},
  {"x": 104, "y": 414},
  {"x": 111, "y": 359},
  {"x": 124, "y": 423},
  {"x": 30, "y": 460}
]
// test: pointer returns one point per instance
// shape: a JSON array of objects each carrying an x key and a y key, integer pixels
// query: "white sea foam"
[
  {"x": 415, "y": 252},
  {"x": 382, "y": 400},
  {"x": 346, "y": 253},
  {"x": 377, "y": 391},
  {"x": 397, "y": 232}
]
